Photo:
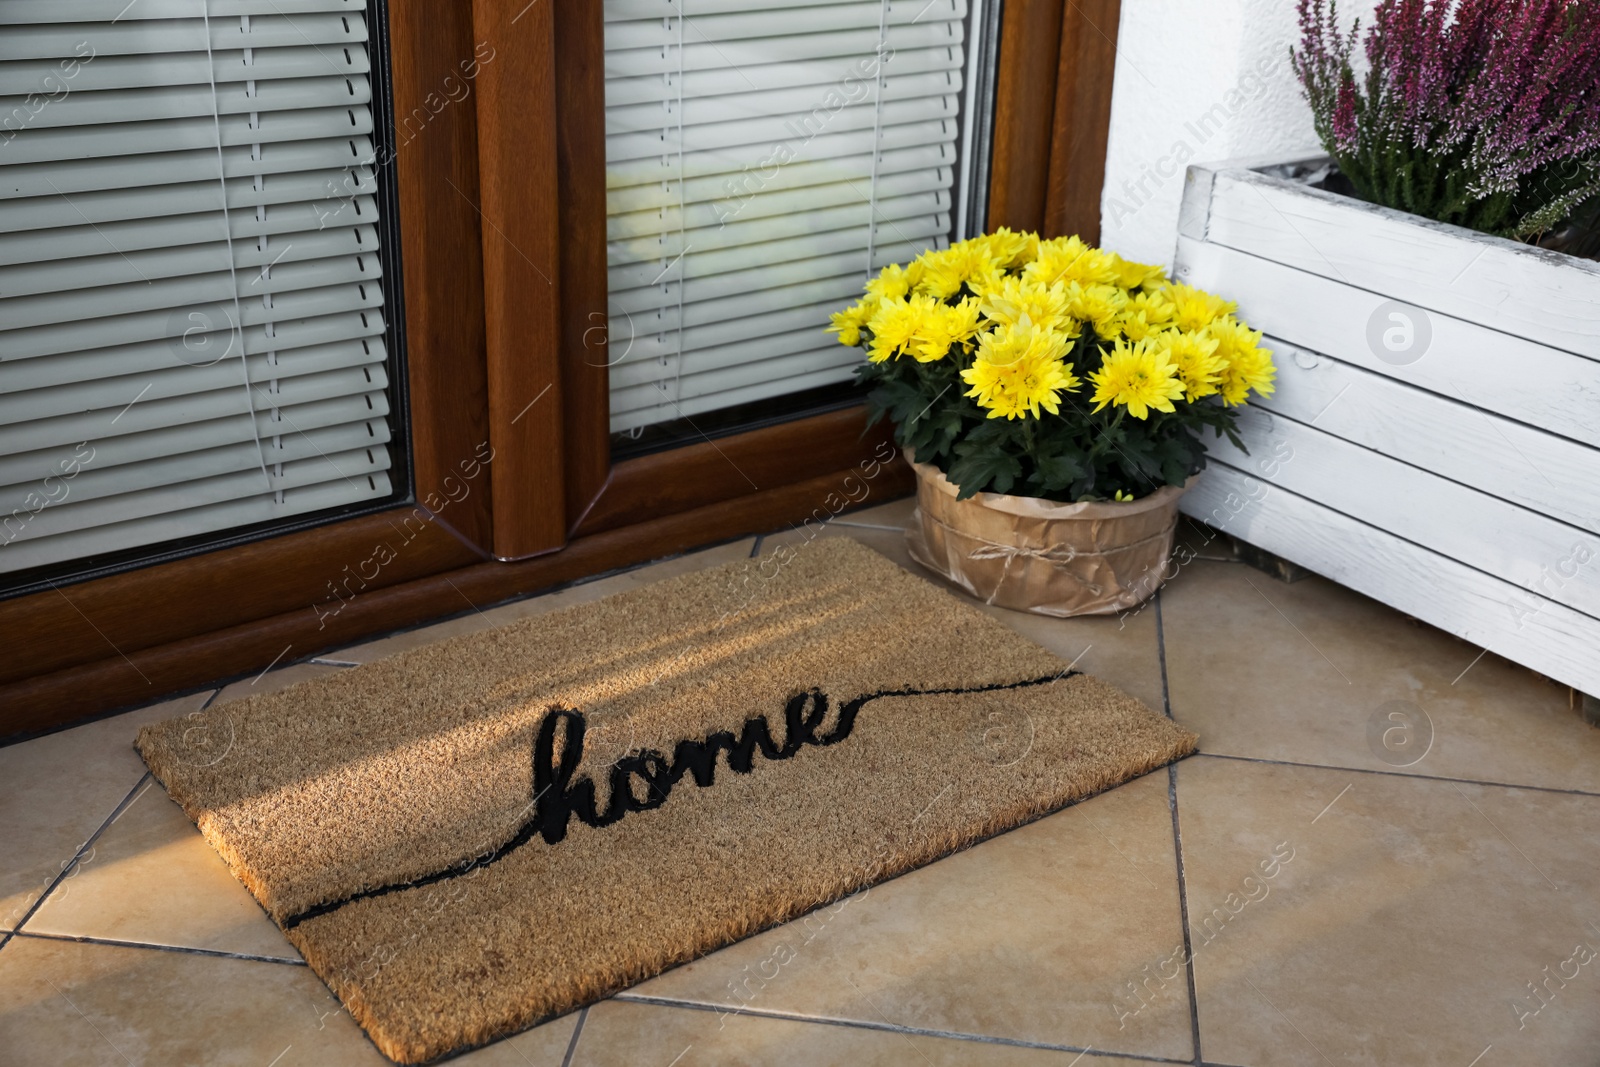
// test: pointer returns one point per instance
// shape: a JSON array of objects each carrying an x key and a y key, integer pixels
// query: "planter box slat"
[
  {"x": 1528, "y": 382},
  {"x": 1537, "y": 470},
  {"x": 1460, "y": 485},
  {"x": 1497, "y": 283},
  {"x": 1552, "y": 639},
  {"x": 1526, "y": 549}
]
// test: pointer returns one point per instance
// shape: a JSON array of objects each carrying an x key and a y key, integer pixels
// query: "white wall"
[{"x": 1196, "y": 81}]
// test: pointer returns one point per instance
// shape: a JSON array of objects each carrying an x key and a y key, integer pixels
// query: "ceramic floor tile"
[
  {"x": 895, "y": 513},
  {"x": 1031, "y": 935},
  {"x": 1375, "y": 919},
  {"x": 1120, "y": 649},
  {"x": 55, "y": 791},
  {"x": 582, "y": 593},
  {"x": 151, "y": 878},
  {"x": 1315, "y": 673},
  {"x": 625, "y": 1034},
  {"x": 68, "y": 1004}
]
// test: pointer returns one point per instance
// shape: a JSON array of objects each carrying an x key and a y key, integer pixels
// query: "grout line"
[
  {"x": 1177, "y": 842},
  {"x": 755, "y": 549},
  {"x": 1161, "y": 658},
  {"x": 1398, "y": 774},
  {"x": 77, "y": 856},
  {"x": 572, "y": 1045},
  {"x": 211, "y": 699},
  {"x": 112, "y": 942},
  {"x": 884, "y": 1027},
  {"x": 319, "y": 661}
]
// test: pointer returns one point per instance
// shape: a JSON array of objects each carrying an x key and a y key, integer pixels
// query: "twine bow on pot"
[{"x": 1056, "y": 556}]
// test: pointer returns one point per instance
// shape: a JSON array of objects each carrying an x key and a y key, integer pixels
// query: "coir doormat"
[{"x": 474, "y": 836}]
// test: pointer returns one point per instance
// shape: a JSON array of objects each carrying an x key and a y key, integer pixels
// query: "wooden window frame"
[{"x": 502, "y": 224}]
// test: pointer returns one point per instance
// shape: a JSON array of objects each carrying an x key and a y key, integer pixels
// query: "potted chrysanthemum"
[{"x": 1052, "y": 398}]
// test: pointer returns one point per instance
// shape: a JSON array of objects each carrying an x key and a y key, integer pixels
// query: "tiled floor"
[{"x": 1387, "y": 852}]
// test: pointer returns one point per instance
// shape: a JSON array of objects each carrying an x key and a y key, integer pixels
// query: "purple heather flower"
[{"x": 1508, "y": 89}]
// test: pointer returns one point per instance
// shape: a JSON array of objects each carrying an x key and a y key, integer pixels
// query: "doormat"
[{"x": 472, "y": 837}]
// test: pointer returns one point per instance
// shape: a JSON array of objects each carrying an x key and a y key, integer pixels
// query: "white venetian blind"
[
  {"x": 761, "y": 157},
  {"x": 191, "y": 301}
]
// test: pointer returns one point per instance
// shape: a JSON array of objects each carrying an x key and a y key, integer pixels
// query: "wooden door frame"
[
  {"x": 1050, "y": 147},
  {"x": 505, "y": 295}
]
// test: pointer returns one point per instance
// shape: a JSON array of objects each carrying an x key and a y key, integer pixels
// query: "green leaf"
[
  {"x": 1053, "y": 473},
  {"x": 978, "y": 468}
]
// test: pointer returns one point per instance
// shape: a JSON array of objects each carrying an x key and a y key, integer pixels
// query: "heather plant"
[{"x": 1481, "y": 113}]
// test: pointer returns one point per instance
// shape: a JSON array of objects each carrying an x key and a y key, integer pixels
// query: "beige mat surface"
[{"x": 476, "y": 835}]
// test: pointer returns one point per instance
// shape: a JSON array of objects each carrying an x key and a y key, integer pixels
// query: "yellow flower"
[
  {"x": 894, "y": 282},
  {"x": 1099, "y": 305},
  {"x": 1131, "y": 275},
  {"x": 1009, "y": 249},
  {"x": 1135, "y": 326},
  {"x": 1249, "y": 366},
  {"x": 1014, "y": 300},
  {"x": 1068, "y": 259},
  {"x": 1138, "y": 377},
  {"x": 944, "y": 326},
  {"x": 944, "y": 272},
  {"x": 1018, "y": 371},
  {"x": 1195, "y": 308},
  {"x": 894, "y": 325},
  {"x": 1123, "y": 497},
  {"x": 1195, "y": 356},
  {"x": 1156, "y": 308},
  {"x": 847, "y": 323}
]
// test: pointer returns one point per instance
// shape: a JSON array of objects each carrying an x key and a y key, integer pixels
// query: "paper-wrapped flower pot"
[{"x": 1036, "y": 555}]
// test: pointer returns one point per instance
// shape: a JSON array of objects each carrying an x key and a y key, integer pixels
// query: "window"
[
  {"x": 196, "y": 279},
  {"x": 762, "y": 159}
]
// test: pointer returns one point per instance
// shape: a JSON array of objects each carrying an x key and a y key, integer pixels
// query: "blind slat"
[
  {"x": 168, "y": 103},
  {"x": 63, "y": 178},
  {"x": 780, "y": 236},
  {"x": 21, "y": 12},
  {"x": 710, "y": 299},
  {"x": 158, "y": 294},
  {"x": 106, "y": 259},
  {"x": 172, "y": 324},
  {"x": 18, "y": 405},
  {"x": 856, "y": 44},
  {"x": 133, "y": 414},
  {"x": 696, "y": 403},
  {"x": 755, "y": 137},
  {"x": 325, "y": 192},
  {"x": 820, "y": 74},
  {"x": 157, "y": 37},
  {"x": 777, "y": 22},
  {"x": 760, "y": 158},
  {"x": 19, "y": 77},
  {"x": 127, "y": 451},
  {"x": 821, "y": 151},
  {"x": 191, "y": 285},
  {"x": 47, "y": 145},
  {"x": 770, "y": 254},
  {"x": 96, "y": 482},
  {"x": 282, "y": 475},
  {"x": 36, "y": 551},
  {"x": 803, "y": 110}
]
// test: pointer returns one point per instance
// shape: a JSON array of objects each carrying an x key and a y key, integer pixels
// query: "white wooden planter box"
[{"x": 1434, "y": 441}]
